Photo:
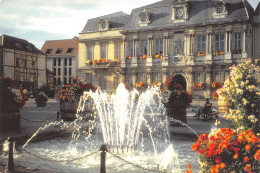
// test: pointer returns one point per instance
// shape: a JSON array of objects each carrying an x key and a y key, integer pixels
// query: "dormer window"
[
  {"x": 180, "y": 11},
  {"x": 103, "y": 25},
  {"x": 220, "y": 10},
  {"x": 144, "y": 18}
]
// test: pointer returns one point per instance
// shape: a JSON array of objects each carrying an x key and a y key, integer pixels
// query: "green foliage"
[{"x": 41, "y": 99}]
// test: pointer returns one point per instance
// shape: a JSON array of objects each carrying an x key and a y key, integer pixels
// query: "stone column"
[
  {"x": 134, "y": 58},
  {"x": 244, "y": 52},
  {"x": 123, "y": 59},
  {"x": 165, "y": 49},
  {"x": 207, "y": 82},
  {"x": 228, "y": 55},
  {"x": 190, "y": 46},
  {"x": 209, "y": 47},
  {"x": 149, "y": 60}
]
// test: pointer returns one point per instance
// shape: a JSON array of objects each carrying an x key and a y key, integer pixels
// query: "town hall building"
[{"x": 195, "y": 40}]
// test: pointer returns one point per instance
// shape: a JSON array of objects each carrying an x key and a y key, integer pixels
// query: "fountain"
[{"x": 132, "y": 125}]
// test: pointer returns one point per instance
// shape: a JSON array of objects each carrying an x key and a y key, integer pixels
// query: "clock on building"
[
  {"x": 144, "y": 18},
  {"x": 179, "y": 12}
]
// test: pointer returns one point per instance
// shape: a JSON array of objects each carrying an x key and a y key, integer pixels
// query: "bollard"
[
  {"x": 58, "y": 115},
  {"x": 10, "y": 162},
  {"x": 103, "y": 150}
]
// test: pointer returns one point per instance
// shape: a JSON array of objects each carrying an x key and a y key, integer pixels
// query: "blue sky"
[{"x": 41, "y": 20}]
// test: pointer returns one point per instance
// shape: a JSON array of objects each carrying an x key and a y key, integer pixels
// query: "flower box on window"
[
  {"x": 143, "y": 56},
  {"x": 201, "y": 53},
  {"x": 216, "y": 84},
  {"x": 89, "y": 62},
  {"x": 198, "y": 85},
  {"x": 216, "y": 53},
  {"x": 237, "y": 51},
  {"x": 157, "y": 56}
]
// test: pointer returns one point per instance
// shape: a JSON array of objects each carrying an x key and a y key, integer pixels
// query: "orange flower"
[
  {"x": 257, "y": 155},
  {"x": 201, "y": 151},
  {"x": 218, "y": 159},
  {"x": 246, "y": 159},
  {"x": 190, "y": 170},
  {"x": 235, "y": 156},
  {"x": 247, "y": 147},
  {"x": 222, "y": 165},
  {"x": 248, "y": 168}
]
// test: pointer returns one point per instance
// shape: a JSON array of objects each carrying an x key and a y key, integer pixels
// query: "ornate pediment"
[
  {"x": 103, "y": 25},
  {"x": 144, "y": 18},
  {"x": 220, "y": 10}
]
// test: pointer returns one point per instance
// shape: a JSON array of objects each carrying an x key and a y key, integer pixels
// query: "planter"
[
  {"x": 176, "y": 109},
  {"x": 10, "y": 119},
  {"x": 68, "y": 110},
  {"x": 222, "y": 106}
]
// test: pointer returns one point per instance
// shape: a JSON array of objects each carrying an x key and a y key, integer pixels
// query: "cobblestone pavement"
[{"x": 31, "y": 112}]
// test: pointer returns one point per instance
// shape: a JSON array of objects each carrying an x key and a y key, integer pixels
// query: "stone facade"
[
  {"x": 23, "y": 62},
  {"x": 197, "y": 40}
]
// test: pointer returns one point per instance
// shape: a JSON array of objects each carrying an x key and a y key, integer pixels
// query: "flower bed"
[
  {"x": 225, "y": 150},
  {"x": 198, "y": 85}
]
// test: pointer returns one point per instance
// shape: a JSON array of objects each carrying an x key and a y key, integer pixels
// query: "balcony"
[{"x": 104, "y": 63}]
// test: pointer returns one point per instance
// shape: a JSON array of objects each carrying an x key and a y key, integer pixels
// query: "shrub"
[{"x": 41, "y": 99}]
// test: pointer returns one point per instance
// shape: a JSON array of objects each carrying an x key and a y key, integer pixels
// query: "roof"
[
  {"x": 116, "y": 21},
  {"x": 200, "y": 13},
  {"x": 257, "y": 14},
  {"x": 61, "y": 44},
  {"x": 10, "y": 42}
]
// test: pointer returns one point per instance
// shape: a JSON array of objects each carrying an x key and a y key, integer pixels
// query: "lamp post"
[{"x": 117, "y": 76}]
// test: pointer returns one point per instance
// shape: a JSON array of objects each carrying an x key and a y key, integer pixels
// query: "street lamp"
[{"x": 117, "y": 76}]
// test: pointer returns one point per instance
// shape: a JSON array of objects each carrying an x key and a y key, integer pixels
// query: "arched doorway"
[{"x": 180, "y": 79}]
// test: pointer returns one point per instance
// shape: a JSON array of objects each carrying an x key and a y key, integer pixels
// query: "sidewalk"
[{"x": 31, "y": 112}]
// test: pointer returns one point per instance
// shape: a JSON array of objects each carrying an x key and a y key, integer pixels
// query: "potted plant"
[
  {"x": 69, "y": 96},
  {"x": 12, "y": 99},
  {"x": 41, "y": 99}
]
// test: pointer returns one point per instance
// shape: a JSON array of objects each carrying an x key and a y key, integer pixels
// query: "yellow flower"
[{"x": 252, "y": 105}]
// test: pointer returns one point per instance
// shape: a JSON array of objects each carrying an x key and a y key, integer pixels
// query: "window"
[
  {"x": 201, "y": 44},
  {"x": 199, "y": 77},
  {"x": 238, "y": 41},
  {"x": 118, "y": 51},
  {"x": 54, "y": 62},
  {"x": 130, "y": 48},
  {"x": 70, "y": 50},
  {"x": 143, "y": 47},
  {"x": 219, "y": 8},
  {"x": 159, "y": 46},
  {"x": 219, "y": 42},
  {"x": 70, "y": 62},
  {"x": 58, "y": 71},
  {"x": 65, "y": 71},
  {"x": 70, "y": 71},
  {"x": 59, "y": 61},
  {"x": 65, "y": 80},
  {"x": 48, "y": 51},
  {"x": 65, "y": 62},
  {"x": 103, "y": 51},
  {"x": 142, "y": 78},
  {"x": 157, "y": 77},
  {"x": 54, "y": 70},
  {"x": 55, "y": 81},
  {"x": 89, "y": 78},
  {"x": 59, "y": 50},
  {"x": 89, "y": 53},
  {"x": 58, "y": 81},
  {"x": 218, "y": 77}
]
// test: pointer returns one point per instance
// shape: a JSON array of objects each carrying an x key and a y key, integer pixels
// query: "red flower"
[
  {"x": 248, "y": 168},
  {"x": 190, "y": 170},
  {"x": 246, "y": 159},
  {"x": 218, "y": 159}
]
